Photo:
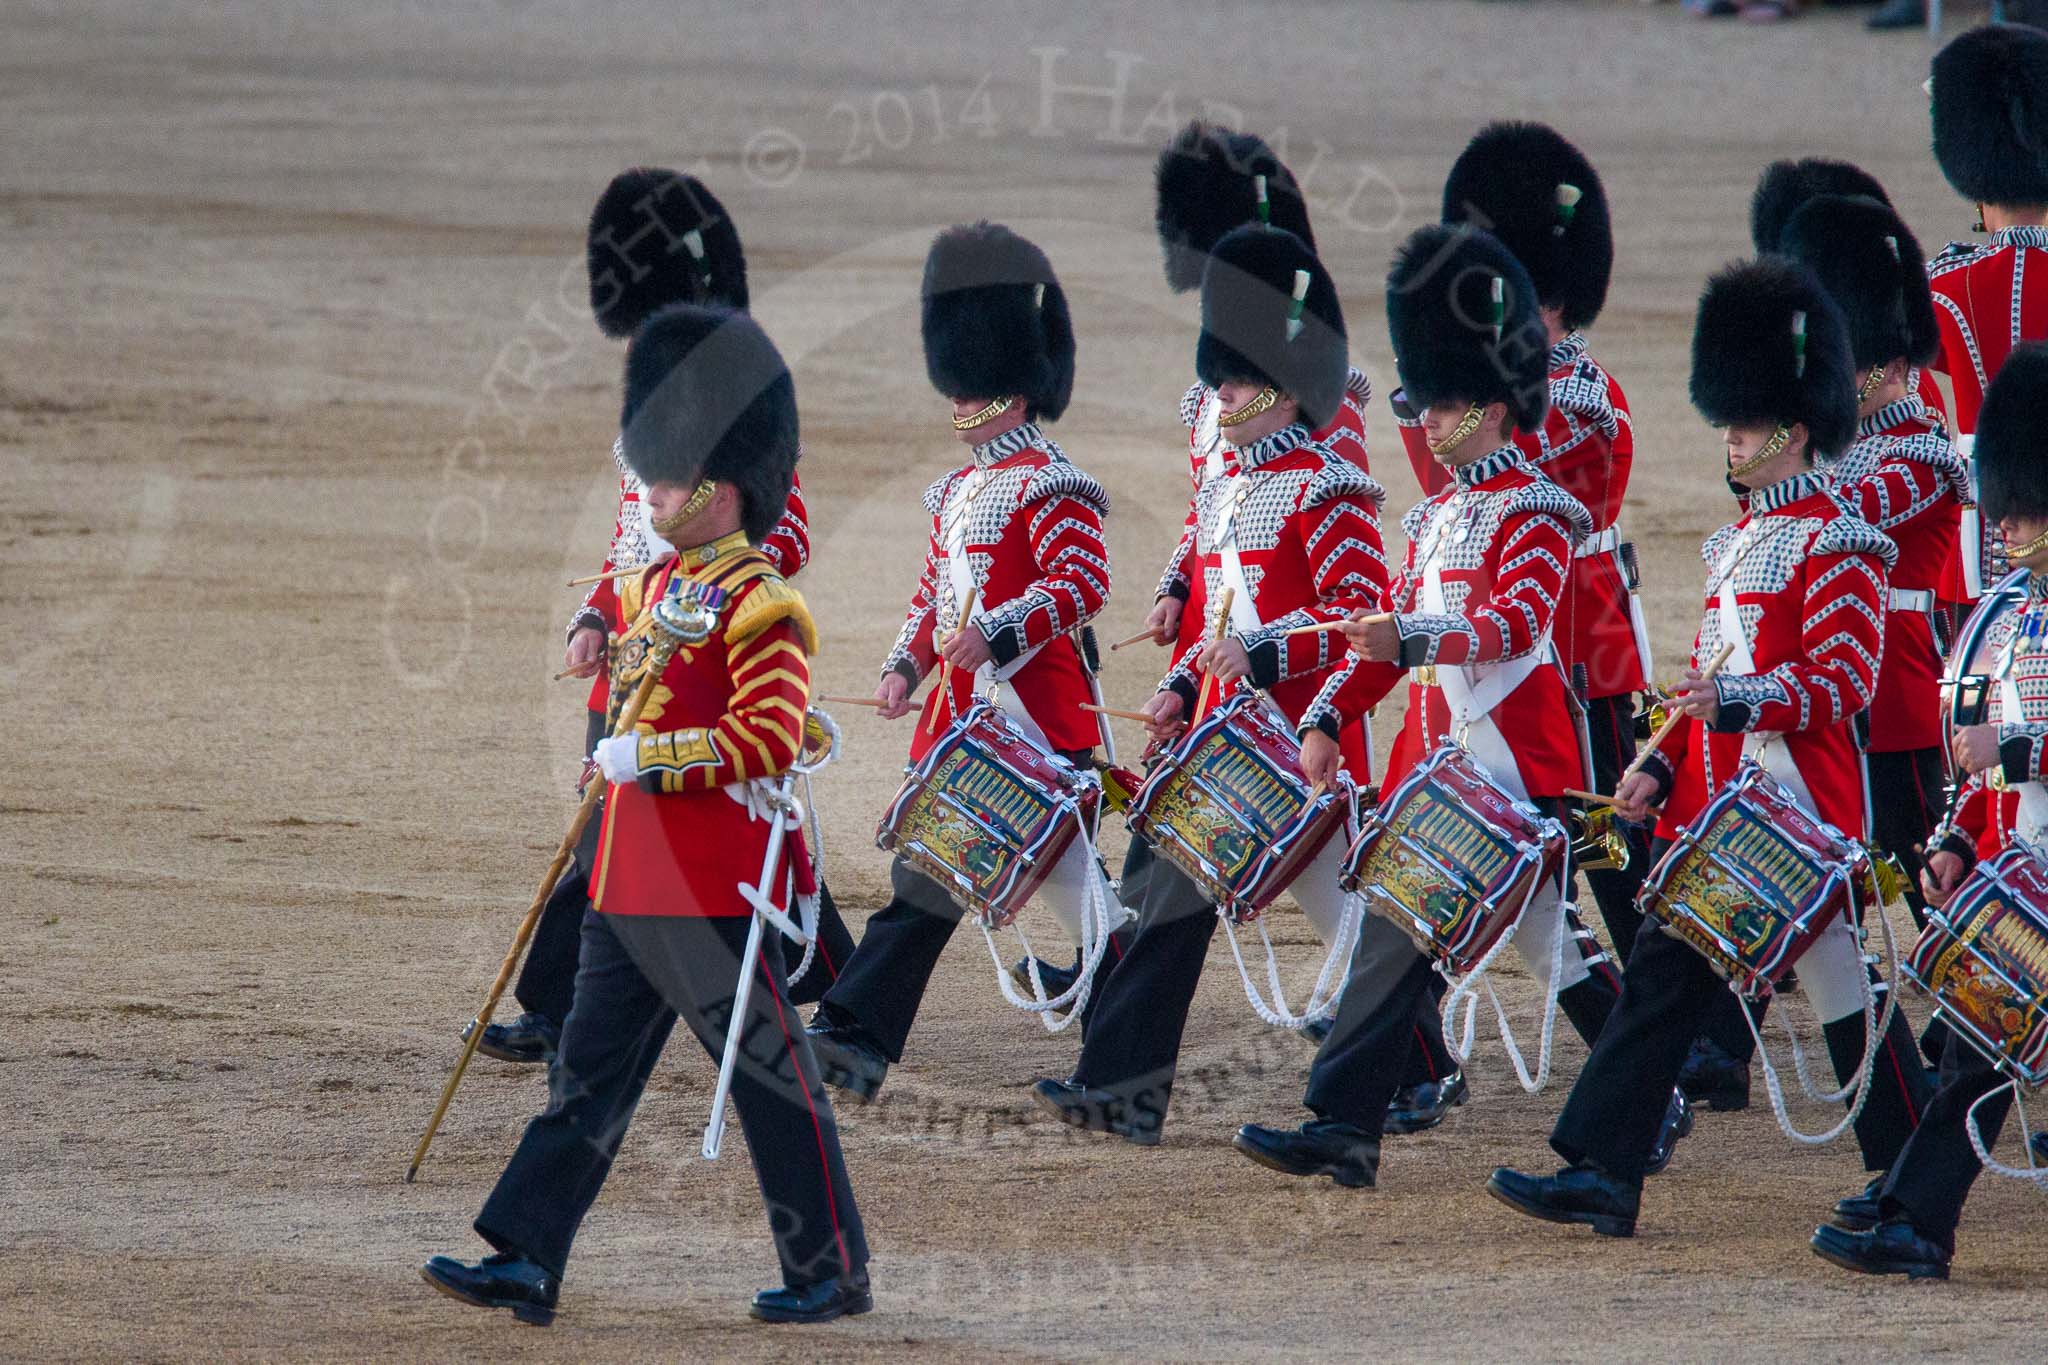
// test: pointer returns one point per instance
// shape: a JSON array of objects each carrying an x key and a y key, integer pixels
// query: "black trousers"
[
  {"x": 1935, "y": 1171},
  {"x": 1610, "y": 726},
  {"x": 1614, "y": 1112},
  {"x": 547, "y": 979},
  {"x": 638, "y": 974},
  {"x": 1361, "y": 1064}
]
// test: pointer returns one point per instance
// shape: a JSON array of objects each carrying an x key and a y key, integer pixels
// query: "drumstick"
[
  {"x": 931, "y": 727},
  {"x": 1321, "y": 626},
  {"x": 1138, "y": 716},
  {"x": 605, "y": 577},
  {"x": 565, "y": 673},
  {"x": 1671, "y": 721},
  {"x": 851, "y": 701},
  {"x": 1222, "y": 628},
  {"x": 1139, "y": 638},
  {"x": 1590, "y": 798}
]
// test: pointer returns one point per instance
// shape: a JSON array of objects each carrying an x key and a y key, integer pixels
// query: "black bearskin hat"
[
  {"x": 1206, "y": 187},
  {"x": 1540, "y": 197},
  {"x": 708, "y": 397},
  {"x": 1248, "y": 317},
  {"x": 2012, "y": 472},
  {"x": 1461, "y": 312},
  {"x": 1991, "y": 114},
  {"x": 1871, "y": 266},
  {"x": 1769, "y": 348},
  {"x": 659, "y": 237},
  {"x": 995, "y": 320},
  {"x": 1785, "y": 185}
]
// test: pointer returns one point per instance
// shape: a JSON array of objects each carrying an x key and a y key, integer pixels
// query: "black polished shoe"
[
  {"x": 821, "y": 1301},
  {"x": 1714, "y": 1078},
  {"x": 529, "y": 1039},
  {"x": 1098, "y": 1111},
  {"x": 1577, "y": 1194},
  {"x": 1319, "y": 1147},
  {"x": 501, "y": 1281},
  {"x": 1893, "y": 1247},
  {"x": 1677, "y": 1124},
  {"x": 1860, "y": 1212},
  {"x": 1415, "y": 1108},
  {"x": 1056, "y": 980},
  {"x": 1899, "y": 14},
  {"x": 847, "y": 1060}
]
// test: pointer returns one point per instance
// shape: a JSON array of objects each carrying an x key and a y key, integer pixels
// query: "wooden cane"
[
  {"x": 1222, "y": 629},
  {"x": 1671, "y": 721},
  {"x": 1138, "y": 716},
  {"x": 1137, "y": 639},
  {"x": 931, "y": 727},
  {"x": 594, "y": 789}
]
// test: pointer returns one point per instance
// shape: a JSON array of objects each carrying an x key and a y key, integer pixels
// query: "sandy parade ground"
[{"x": 303, "y": 423}]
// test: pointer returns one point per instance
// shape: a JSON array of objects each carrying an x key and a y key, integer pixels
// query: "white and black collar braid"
[
  {"x": 1267, "y": 449},
  {"x": 1568, "y": 351},
  {"x": 1894, "y": 413},
  {"x": 1489, "y": 466},
  {"x": 1000, "y": 448},
  {"x": 1785, "y": 492},
  {"x": 2026, "y": 234}
]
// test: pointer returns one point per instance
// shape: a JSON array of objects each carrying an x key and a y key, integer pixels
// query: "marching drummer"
[
  {"x": 1288, "y": 537},
  {"x": 656, "y": 237},
  {"x": 1487, "y": 562},
  {"x": 1796, "y": 592},
  {"x": 1902, "y": 475},
  {"x": 1016, "y": 565},
  {"x": 710, "y": 425},
  {"x": 1907, "y": 1226},
  {"x": 1990, "y": 115}
]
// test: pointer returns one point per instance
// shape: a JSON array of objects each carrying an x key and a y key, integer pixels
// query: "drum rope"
[
  {"x": 1095, "y": 934},
  {"x": 1874, "y": 1030},
  {"x": 2034, "y": 1173},
  {"x": 1467, "y": 990},
  {"x": 1322, "y": 999}
]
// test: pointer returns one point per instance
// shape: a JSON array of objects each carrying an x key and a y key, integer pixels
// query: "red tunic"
[
  {"x": 1810, "y": 581},
  {"x": 1903, "y": 476},
  {"x": 788, "y": 548},
  {"x": 725, "y": 712},
  {"x": 1586, "y": 446},
  {"x": 1028, "y": 526},
  {"x": 1210, "y": 456},
  {"x": 1985, "y": 817},
  {"x": 1304, "y": 524},
  {"x": 1989, "y": 296},
  {"x": 1501, "y": 536}
]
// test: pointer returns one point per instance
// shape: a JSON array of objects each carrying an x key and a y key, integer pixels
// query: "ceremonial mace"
[{"x": 676, "y": 623}]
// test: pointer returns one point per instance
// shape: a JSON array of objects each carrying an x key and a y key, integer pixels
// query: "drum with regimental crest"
[
  {"x": 1984, "y": 958},
  {"x": 1453, "y": 858},
  {"x": 1752, "y": 881},
  {"x": 988, "y": 814},
  {"x": 1228, "y": 806}
]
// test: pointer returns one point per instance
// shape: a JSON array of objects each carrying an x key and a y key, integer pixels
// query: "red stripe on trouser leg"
[
  {"x": 1428, "y": 1062},
  {"x": 817, "y": 1127}
]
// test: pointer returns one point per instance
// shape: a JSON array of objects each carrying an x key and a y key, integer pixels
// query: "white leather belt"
[
  {"x": 1600, "y": 543},
  {"x": 1910, "y": 599}
]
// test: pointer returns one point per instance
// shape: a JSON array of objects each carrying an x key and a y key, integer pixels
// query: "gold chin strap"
[
  {"x": 1771, "y": 450},
  {"x": 1871, "y": 383},
  {"x": 2028, "y": 550},
  {"x": 699, "y": 500},
  {"x": 1260, "y": 402},
  {"x": 1460, "y": 433},
  {"x": 996, "y": 408}
]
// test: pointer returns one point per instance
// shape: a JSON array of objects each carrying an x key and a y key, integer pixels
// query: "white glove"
[{"x": 619, "y": 758}]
